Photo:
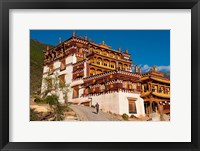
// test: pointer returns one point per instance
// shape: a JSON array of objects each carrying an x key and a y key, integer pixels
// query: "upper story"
[
  {"x": 153, "y": 83},
  {"x": 86, "y": 55}
]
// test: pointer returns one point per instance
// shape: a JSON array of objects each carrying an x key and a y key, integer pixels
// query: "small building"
[{"x": 155, "y": 92}]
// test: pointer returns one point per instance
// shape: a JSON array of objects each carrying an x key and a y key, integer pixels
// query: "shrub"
[
  {"x": 93, "y": 106},
  {"x": 51, "y": 100},
  {"x": 38, "y": 100},
  {"x": 33, "y": 116},
  {"x": 125, "y": 116}
]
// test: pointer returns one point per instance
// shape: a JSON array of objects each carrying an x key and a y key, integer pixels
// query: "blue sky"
[{"x": 147, "y": 47}]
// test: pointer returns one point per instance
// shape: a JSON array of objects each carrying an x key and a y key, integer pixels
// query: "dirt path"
[{"x": 89, "y": 114}]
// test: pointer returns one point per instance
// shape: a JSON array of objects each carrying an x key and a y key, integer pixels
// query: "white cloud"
[
  {"x": 146, "y": 68},
  {"x": 164, "y": 68}
]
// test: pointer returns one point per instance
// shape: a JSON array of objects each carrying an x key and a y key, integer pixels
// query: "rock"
[{"x": 40, "y": 108}]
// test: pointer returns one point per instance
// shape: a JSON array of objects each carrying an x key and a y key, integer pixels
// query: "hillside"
[{"x": 36, "y": 61}]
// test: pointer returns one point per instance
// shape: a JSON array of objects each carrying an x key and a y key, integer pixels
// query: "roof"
[{"x": 155, "y": 75}]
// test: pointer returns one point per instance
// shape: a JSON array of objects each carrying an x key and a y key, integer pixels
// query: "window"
[
  {"x": 125, "y": 67},
  {"x": 92, "y": 60},
  {"x": 49, "y": 84},
  {"x": 99, "y": 71},
  {"x": 124, "y": 84},
  {"x": 112, "y": 64},
  {"x": 120, "y": 66},
  {"x": 79, "y": 59},
  {"x": 98, "y": 51},
  {"x": 80, "y": 51},
  {"x": 145, "y": 88},
  {"x": 132, "y": 106},
  {"x": 103, "y": 87},
  {"x": 112, "y": 55},
  {"x": 86, "y": 90},
  {"x": 99, "y": 60},
  {"x": 62, "y": 65},
  {"x": 105, "y": 53},
  {"x": 76, "y": 92},
  {"x": 167, "y": 91},
  {"x": 106, "y": 63},
  {"x": 134, "y": 86},
  {"x": 92, "y": 71},
  {"x": 51, "y": 69},
  {"x": 154, "y": 88},
  {"x": 62, "y": 80},
  {"x": 161, "y": 90}
]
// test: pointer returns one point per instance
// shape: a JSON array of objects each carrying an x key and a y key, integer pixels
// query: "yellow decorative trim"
[
  {"x": 144, "y": 78},
  {"x": 161, "y": 80},
  {"x": 143, "y": 94},
  {"x": 161, "y": 94},
  {"x": 103, "y": 66}
]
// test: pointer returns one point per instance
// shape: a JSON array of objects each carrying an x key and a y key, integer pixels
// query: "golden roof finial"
[
  {"x": 85, "y": 37},
  {"x": 154, "y": 68},
  {"x": 103, "y": 43},
  {"x": 73, "y": 34},
  {"x": 47, "y": 47},
  {"x": 136, "y": 68},
  {"x": 140, "y": 70}
]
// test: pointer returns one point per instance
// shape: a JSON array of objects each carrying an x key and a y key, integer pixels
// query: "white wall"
[
  {"x": 117, "y": 102},
  {"x": 45, "y": 69},
  {"x": 56, "y": 64},
  {"x": 71, "y": 59},
  {"x": 67, "y": 72},
  {"x": 107, "y": 102},
  {"x": 85, "y": 69},
  {"x": 124, "y": 106}
]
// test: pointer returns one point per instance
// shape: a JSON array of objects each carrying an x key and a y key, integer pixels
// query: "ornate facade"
[
  {"x": 97, "y": 73},
  {"x": 155, "y": 92}
]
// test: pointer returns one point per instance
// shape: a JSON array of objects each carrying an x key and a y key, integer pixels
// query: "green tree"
[{"x": 52, "y": 88}]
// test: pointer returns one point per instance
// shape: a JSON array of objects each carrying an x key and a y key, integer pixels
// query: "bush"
[
  {"x": 51, "y": 100},
  {"x": 33, "y": 116},
  {"x": 38, "y": 100},
  {"x": 125, "y": 116},
  {"x": 93, "y": 106}
]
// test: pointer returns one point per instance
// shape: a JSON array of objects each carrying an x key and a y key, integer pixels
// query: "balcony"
[{"x": 163, "y": 95}]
